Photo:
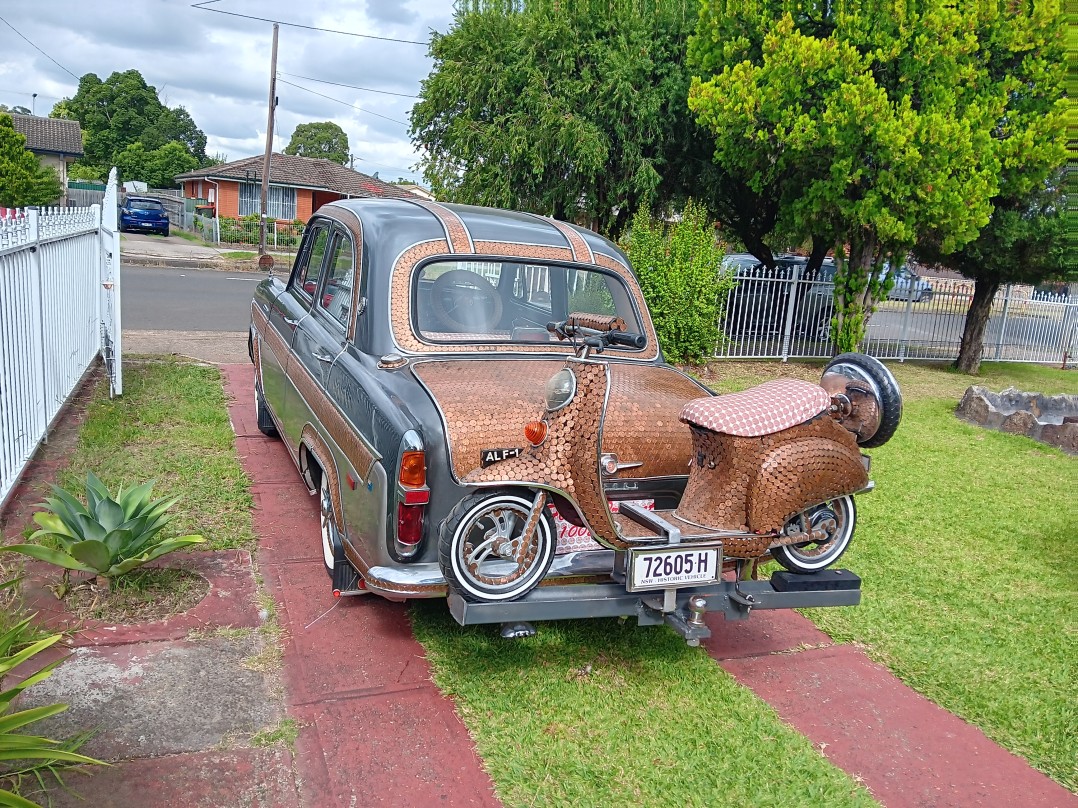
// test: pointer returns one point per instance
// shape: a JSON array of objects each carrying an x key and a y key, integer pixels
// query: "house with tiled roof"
[
  {"x": 56, "y": 142},
  {"x": 298, "y": 186}
]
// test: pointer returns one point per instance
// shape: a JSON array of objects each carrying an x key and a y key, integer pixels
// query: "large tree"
[
  {"x": 124, "y": 110},
  {"x": 23, "y": 180},
  {"x": 1026, "y": 239},
  {"x": 871, "y": 124},
  {"x": 322, "y": 139},
  {"x": 574, "y": 110}
]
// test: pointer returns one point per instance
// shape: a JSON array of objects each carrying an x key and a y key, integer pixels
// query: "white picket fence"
[
  {"x": 59, "y": 311},
  {"x": 777, "y": 314}
]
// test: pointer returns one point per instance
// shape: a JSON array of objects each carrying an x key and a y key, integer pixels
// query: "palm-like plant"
[
  {"x": 24, "y": 755},
  {"x": 106, "y": 536}
]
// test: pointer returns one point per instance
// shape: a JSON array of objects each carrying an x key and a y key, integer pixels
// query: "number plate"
[
  {"x": 666, "y": 569},
  {"x": 488, "y": 457}
]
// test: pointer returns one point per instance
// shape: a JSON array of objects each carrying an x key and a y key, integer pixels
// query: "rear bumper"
[
  {"x": 144, "y": 224},
  {"x": 734, "y": 600}
]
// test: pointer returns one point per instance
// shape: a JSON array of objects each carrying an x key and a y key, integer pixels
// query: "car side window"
[
  {"x": 306, "y": 278},
  {"x": 336, "y": 297}
]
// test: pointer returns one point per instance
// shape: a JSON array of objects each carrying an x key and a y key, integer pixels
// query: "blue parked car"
[{"x": 143, "y": 213}]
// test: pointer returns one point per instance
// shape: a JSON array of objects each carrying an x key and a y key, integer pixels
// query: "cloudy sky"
[{"x": 217, "y": 65}]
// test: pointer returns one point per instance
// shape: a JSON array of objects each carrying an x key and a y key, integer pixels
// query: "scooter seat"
[{"x": 761, "y": 410}]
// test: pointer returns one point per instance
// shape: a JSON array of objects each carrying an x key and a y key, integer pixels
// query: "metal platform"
[{"x": 734, "y": 600}]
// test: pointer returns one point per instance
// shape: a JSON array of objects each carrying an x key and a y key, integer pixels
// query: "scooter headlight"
[{"x": 560, "y": 389}]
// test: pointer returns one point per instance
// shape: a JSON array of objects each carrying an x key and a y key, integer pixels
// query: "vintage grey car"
[{"x": 405, "y": 352}]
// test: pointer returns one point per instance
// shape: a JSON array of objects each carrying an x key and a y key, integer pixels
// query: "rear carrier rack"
[{"x": 682, "y": 609}]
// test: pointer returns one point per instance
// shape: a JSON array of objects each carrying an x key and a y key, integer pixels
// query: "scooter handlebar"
[{"x": 624, "y": 338}]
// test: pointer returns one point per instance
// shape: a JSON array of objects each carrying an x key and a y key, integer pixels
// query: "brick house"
[
  {"x": 298, "y": 186},
  {"x": 56, "y": 142}
]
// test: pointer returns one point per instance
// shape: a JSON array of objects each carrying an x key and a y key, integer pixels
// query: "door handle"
[
  {"x": 290, "y": 323},
  {"x": 321, "y": 357}
]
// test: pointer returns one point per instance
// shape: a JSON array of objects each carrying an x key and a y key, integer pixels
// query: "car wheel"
[
  {"x": 341, "y": 573},
  {"x": 479, "y": 547},
  {"x": 884, "y": 387},
  {"x": 266, "y": 425},
  {"x": 837, "y": 518},
  {"x": 925, "y": 296}
]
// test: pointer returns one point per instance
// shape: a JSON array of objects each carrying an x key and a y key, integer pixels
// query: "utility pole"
[{"x": 269, "y": 144}]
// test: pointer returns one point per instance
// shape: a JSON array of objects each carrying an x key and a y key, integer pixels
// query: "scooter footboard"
[{"x": 801, "y": 473}]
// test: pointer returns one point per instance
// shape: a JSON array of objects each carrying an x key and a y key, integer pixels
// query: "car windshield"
[
  {"x": 509, "y": 301},
  {"x": 144, "y": 204}
]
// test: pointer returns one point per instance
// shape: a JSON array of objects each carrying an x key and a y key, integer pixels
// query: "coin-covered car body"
[{"x": 479, "y": 399}]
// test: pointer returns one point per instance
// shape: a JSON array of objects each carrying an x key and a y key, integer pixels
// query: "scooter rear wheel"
[
  {"x": 479, "y": 547},
  {"x": 812, "y": 557}
]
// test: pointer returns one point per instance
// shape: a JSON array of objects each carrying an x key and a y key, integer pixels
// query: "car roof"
[
  {"x": 397, "y": 223},
  {"x": 142, "y": 199}
]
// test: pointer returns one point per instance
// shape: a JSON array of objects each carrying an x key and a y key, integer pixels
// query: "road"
[{"x": 187, "y": 299}]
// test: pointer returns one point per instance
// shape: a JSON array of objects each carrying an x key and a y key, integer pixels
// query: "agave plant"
[
  {"x": 22, "y": 755},
  {"x": 106, "y": 536}
]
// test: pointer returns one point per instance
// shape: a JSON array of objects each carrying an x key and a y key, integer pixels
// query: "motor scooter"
[{"x": 773, "y": 473}]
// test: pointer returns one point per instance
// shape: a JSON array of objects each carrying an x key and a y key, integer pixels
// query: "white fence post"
[
  {"x": 791, "y": 303},
  {"x": 904, "y": 340},
  {"x": 1003, "y": 325},
  {"x": 33, "y": 220},
  {"x": 109, "y": 279}
]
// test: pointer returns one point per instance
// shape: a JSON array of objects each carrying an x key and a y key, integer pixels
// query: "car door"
[
  {"x": 320, "y": 336},
  {"x": 286, "y": 314}
]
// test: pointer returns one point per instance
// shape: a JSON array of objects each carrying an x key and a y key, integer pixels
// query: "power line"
[
  {"x": 349, "y": 86},
  {"x": 203, "y": 6},
  {"x": 391, "y": 168},
  {"x": 35, "y": 47},
  {"x": 339, "y": 101}
]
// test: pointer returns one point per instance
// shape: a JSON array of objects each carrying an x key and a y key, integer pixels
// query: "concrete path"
[{"x": 375, "y": 729}]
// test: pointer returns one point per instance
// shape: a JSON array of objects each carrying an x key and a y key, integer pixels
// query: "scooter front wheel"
[
  {"x": 482, "y": 551},
  {"x": 837, "y": 518}
]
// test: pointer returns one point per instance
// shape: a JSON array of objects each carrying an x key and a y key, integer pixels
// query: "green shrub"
[
  {"x": 678, "y": 266},
  {"x": 107, "y": 537}
]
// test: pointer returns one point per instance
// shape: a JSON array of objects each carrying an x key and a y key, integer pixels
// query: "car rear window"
[
  {"x": 145, "y": 204},
  {"x": 511, "y": 301}
]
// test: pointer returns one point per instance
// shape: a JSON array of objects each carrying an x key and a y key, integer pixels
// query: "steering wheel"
[{"x": 465, "y": 302}]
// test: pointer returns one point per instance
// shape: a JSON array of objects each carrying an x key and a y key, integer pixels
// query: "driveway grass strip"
[
  {"x": 603, "y": 712},
  {"x": 170, "y": 425},
  {"x": 967, "y": 553}
]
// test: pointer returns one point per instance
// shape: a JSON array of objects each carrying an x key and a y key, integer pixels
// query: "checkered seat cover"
[{"x": 761, "y": 410}]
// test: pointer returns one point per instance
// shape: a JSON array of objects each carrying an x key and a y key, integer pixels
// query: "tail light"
[
  {"x": 413, "y": 473},
  {"x": 412, "y": 498},
  {"x": 410, "y": 524}
]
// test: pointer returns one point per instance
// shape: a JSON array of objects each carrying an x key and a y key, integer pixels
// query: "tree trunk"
[
  {"x": 820, "y": 247},
  {"x": 969, "y": 354}
]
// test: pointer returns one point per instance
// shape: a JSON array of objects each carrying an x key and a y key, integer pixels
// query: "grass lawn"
[
  {"x": 967, "y": 552},
  {"x": 179, "y": 231},
  {"x": 602, "y": 712},
  {"x": 239, "y": 255},
  {"x": 171, "y": 426}
]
